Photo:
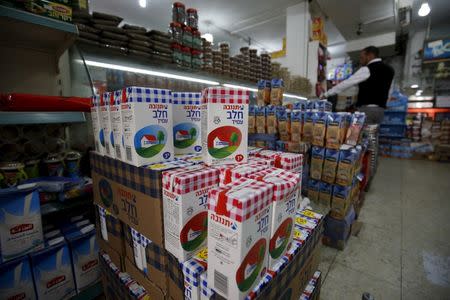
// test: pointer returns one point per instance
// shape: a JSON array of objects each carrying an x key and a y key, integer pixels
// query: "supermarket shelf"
[
  {"x": 263, "y": 137},
  {"x": 395, "y": 112},
  {"x": 15, "y": 118},
  {"x": 28, "y": 30},
  {"x": 57, "y": 206},
  {"x": 430, "y": 111},
  {"x": 393, "y": 124},
  {"x": 90, "y": 293}
]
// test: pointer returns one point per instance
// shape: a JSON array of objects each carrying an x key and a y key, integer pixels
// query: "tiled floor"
[{"x": 403, "y": 249}]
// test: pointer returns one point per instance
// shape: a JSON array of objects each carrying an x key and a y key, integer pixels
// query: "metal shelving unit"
[{"x": 23, "y": 118}]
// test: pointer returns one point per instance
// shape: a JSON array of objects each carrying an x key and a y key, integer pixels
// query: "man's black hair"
[{"x": 373, "y": 50}]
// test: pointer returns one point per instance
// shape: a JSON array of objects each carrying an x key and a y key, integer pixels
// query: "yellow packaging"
[
  {"x": 319, "y": 128},
  {"x": 317, "y": 158},
  {"x": 330, "y": 165},
  {"x": 271, "y": 119},
  {"x": 277, "y": 90},
  {"x": 308, "y": 127},
  {"x": 260, "y": 116}
]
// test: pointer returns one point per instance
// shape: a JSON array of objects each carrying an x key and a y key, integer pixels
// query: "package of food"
[
  {"x": 116, "y": 136},
  {"x": 186, "y": 123},
  {"x": 239, "y": 218},
  {"x": 277, "y": 90},
  {"x": 319, "y": 128},
  {"x": 286, "y": 189},
  {"x": 347, "y": 160},
  {"x": 355, "y": 128},
  {"x": 308, "y": 126},
  {"x": 229, "y": 173},
  {"x": 263, "y": 95},
  {"x": 224, "y": 125},
  {"x": 323, "y": 105},
  {"x": 341, "y": 200},
  {"x": 330, "y": 165},
  {"x": 105, "y": 121},
  {"x": 17, "y": 279},
  {"x": 284, "y": 123},
  {"x": 271, "y": 119},
  {"x": 296, "y": 125},
  {"x": 147, "y": 125},
  {"x": 260, "y": 113},
  {"x": 51, "y": 9},
  {"x": 99, "y": 138},
  {"x": 325, "y": 194},
  {"x": 252, "y": 118},
  {"x": 192, "y": 270},
  {"x": 313, "y": 189},
  {"x": 185, "y": 198},
  {"x": 317, "y": 160},
  {"x": 335, "y": 124},
  {"x": 299, "y": 105}
]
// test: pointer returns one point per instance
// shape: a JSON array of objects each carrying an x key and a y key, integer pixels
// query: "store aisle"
[{"x": 403, "y": 248}]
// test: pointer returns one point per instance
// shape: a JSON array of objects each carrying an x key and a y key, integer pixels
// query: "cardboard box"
[
  {"x": 225, "y": 125},
  {"x": 115, "y": 256},
  {"x": 153, "y": 291},
  {"x": 132, "y": 194},
  {"x": 176, "y": 278}
]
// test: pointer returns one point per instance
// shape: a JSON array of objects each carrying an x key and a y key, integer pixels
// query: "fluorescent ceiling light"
[
  {"x": 233, "y": 86},
  {"x": 414, "y": 86},
  {"x": 424, "y": 9},
  {"x": 209, "y": 37},
  {"x": 148, "y": 72},
  {"x": 295, "y": 96},
  {"x": 143, "y": 3}
]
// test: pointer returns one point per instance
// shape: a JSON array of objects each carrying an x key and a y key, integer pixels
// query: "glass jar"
[
  {"x": 197, "y": 40},
  {"x": 196, "y": 59},
  {"x": 187, "y": 58},
  {"x": 177, "y": 54},
  {"x": 177, "y": 32},
  {"x": 192, "y": 18},
  {"x": 178, "y": 12},
  {"x": 187, "y": 36}
]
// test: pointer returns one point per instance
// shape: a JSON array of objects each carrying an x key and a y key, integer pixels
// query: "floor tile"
[{"x": 327, "y": 257}]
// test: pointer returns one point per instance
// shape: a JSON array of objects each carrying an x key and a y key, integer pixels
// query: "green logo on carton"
[{"x": 106, "y": 193}]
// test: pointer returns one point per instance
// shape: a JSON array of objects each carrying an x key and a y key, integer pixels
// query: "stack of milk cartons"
[
  {"x": 187, "y": 123},
  {"x": 240, "y": 217},
  {"x": 105, "y": 124},
  {"x": 287, "y": 161},
  {"x": 229, "y": 173},
  {"x": 147, "y": 125},
  {"x": 99, "y": 139},
  {"x": 115, "y": 112},
  {"x": 224, "y": 114},
  {"x": 185, "y": 199},
  {"x": 192, "y": 270},
  {"x": 286, "y": 188}
]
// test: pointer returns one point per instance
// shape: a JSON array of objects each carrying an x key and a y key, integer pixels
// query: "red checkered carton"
[
  {"x": 263, "y": 161},
  {"x": 286, "y": 190},
  {"x": 287, "y": 161},
  {"x": 224, "y": 125},
  {"x": 239, "y": 217},
  {"x": 185, "y": 199},
  {"x": 229, "y": 173}
]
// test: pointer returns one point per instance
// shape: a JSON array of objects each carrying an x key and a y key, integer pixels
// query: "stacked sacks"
[
  {"x": 139, "y": 43},
  {"x": 161, "y": 45}
]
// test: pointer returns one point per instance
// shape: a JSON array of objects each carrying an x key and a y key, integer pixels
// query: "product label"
[
  {"x": 187, "y": 128},
  {"x": 117, "y": 141},
  {"x": 106, "y": 127}
]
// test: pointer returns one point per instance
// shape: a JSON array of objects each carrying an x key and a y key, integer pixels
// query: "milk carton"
[
  {"x": 187, "y": 123},
  {"x": 206, "y": 292},
  {"x": 84, "y": 249},
  {"x": 239, "y": 217},
  {"x": 99, "y": 138},
  {"x": 224, "y": 125},
  {"x": 52, "y": 271},
  {"x": 105, "y": 123},
  {"x": 115, "y": 113},
  {"x": 147, "y": 125},
  {"x": 20, "y": 221},
  {"x": 287, "y": 161},
  {"x": 229, "y": 173},
  {"x": 286, "y": 189},
  {"x": 192, "y": 269},
  {"x": 185, "y": 199},
  {"x": 16, "y": 280}
]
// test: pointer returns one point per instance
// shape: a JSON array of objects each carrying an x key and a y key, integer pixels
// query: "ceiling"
[{"x": 265, "y": 23}]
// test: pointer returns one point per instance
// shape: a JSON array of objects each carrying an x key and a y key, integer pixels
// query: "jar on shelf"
[
  {"x": 177, "y": 32},
  {"x": 196, "y": 40},
  {"x": 192, "y": 18},
  {"x": 196, "y": 59},
  {"x": 178, "y": 12},
  {"x": 177, "y": 54},
  {"x": 187, "y": 57},
  {"x": 187, "y": 36}
]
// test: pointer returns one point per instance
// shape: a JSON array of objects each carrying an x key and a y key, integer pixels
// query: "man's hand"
[{"x": 323, "y": 96}]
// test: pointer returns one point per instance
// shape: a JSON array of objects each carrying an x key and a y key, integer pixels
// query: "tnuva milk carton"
[
  {"x": 187, "y": 123},
  {"x": 52, "y": 271},
  {"x": 16, "y": 280},
  {"x": 224, "y": 125},
  {"x": 115, "y": 114},
  {"x": 239, "y": 217},
  {"x": 286, "y": 188},
  {"x": 84, "y": 249},
  {"x": 147, "y": 125},
  {"x": 99, "y": 139},
  {"x": 185, "y": 199},
  {"x": 105, "y": 122},
  {"x": 20, "y": 221}
]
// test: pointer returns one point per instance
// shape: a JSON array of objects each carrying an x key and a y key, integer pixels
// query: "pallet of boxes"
[
  {"x": 335, "y": 170},
  {"x": 176, "y": 225}
]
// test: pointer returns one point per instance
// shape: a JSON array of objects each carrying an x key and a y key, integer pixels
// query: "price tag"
[
  {"x": 308, "y": 213},
  {"x": 301, "y": 221}
]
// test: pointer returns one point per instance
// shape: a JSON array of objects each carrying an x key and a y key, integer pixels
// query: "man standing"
[{"x": 374, "y": 79}]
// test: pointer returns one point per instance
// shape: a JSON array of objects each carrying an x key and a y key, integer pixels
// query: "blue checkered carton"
[
  {"x": 187, "y": 122},
  {"x": 147, "y": 121},
  {"x": 16, "y": 280}
]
